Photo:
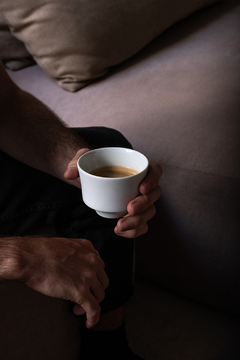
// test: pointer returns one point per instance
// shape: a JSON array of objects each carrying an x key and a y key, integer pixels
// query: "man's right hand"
[{"x": 69, "y": 269}]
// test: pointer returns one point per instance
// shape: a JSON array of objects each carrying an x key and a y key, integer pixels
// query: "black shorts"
[{"x": 31, "y": 199}]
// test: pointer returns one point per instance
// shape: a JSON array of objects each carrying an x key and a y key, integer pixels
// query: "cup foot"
[{"x": 110, "y": 215}]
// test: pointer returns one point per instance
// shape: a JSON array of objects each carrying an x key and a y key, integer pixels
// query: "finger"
[
  {"x": 152, "y": 178},
  {"x": 72, "y": 171},
  {"x": 95, "y": 257},
  {"x": 143, "y": 202},
  {"x": 97, "y": 291},
  {"x": 136, "y": 221},
  {"x": 92, "y": 310},
  {"x": 98, "y": 265},
  {"x": 133, "y": 233},
  {"x": 78, "y": 310}
]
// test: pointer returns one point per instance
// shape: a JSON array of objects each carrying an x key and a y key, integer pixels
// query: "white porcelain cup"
[{"x": 110, "y": 196}]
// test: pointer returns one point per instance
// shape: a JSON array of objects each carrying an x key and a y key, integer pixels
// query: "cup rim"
[{"x": 111, "y": 148}]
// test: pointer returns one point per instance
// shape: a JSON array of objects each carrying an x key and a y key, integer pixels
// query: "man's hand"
[
  {"x": 141, "y": 209},
  {"x": 72, "y": 171},
  {"x": 69, "y": 269}
]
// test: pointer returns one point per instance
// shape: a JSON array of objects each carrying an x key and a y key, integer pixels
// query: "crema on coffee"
[{"x": 114, "y": 171}]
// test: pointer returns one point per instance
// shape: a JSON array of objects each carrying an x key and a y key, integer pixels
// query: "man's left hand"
[{"x": 142, "y": 208}]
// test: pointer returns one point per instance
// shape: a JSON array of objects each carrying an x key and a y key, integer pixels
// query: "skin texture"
[{"x": 33, "y": 134}]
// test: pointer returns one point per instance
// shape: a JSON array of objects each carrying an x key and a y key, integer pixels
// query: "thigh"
[
  {"x": 100, "y": 136},
  {"x": 116, "y": 251},
  {"x": 31, "y": 199}
]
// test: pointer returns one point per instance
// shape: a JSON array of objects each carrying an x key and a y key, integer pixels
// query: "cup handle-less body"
[{"x": 110, "y": 196}]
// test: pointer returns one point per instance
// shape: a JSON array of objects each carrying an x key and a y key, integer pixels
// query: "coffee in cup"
[
  {"x": 106, "y": 190},
  {"x": 114, "y": 171}
]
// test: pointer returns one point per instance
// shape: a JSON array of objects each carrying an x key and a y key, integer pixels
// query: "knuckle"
[
  {"x": 90, "y": 273},
  {"x": 93, "y": 259}
]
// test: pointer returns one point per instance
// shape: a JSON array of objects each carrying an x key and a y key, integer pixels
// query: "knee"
[
  {"x": 116, "y": 138},
  {"x": 100, "y": 136}
]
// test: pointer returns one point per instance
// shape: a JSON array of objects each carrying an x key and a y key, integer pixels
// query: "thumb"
[{"x": 72, "y": 171}]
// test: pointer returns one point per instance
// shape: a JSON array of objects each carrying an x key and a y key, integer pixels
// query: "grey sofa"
[{"x": 178, "y": 102}]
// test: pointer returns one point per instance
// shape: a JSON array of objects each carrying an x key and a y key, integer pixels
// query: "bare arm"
[
  {"x": 62, "y": 268},
  {"x": 65, "y": 268},
  {"x": 32, "y": 133}
]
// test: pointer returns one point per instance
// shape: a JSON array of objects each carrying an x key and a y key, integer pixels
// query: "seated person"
[{"x": 39, "y": 187}]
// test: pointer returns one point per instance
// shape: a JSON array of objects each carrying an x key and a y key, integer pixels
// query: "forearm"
[{"x": 33, "y": 134}]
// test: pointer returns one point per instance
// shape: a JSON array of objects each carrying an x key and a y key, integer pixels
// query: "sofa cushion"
[
  {"x": 75, "y": 41},
  {"x": 177, "y": 102},
  {"x": 13, "y": 52}
]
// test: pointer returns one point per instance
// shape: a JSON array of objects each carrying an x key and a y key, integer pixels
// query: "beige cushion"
[
  {"x": 76, "y": 41},
  {"x": 13, "y": 52}
]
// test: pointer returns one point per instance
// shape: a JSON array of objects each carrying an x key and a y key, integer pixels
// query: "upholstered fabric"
[
  {"x": 13, "y": 52},
  {"x": 177, "y": 102},
  {"x": 75, "y": 41}
]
